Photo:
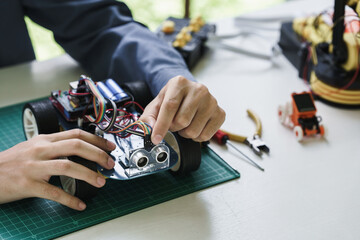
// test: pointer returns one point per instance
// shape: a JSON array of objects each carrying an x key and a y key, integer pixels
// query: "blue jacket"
[{"x": 100, "y": 34}]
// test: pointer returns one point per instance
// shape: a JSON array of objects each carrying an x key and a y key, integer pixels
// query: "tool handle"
[
  {"x": 256, "y": 120},
  {"x": 235, "y": 137},
  {"x": 220, "y": 137}
]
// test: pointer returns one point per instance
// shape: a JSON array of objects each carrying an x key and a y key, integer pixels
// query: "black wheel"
[
  {"x": 189, "y": 153},
  {"x": 79, "y": 188},
  {"x": 140, "y": 91},
  {"x": 39, "y": 118}
]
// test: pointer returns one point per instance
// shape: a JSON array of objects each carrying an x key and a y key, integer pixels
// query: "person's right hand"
[{"x": 26, "y": 168}]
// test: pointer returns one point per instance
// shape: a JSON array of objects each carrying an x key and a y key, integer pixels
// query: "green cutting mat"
[{"x": 42, "y": 219}]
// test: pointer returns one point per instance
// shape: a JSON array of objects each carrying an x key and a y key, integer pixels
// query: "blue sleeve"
[{"x": 103, "y": 37}]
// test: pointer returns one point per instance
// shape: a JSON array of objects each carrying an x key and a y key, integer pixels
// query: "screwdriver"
[{"x": 223, "y": 138}]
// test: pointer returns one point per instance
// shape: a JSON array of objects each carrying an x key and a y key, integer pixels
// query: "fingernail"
[
  {"x": 101, "y": 181},
  {"x": 157, "y": 139},
  {"x": 111, "y": 163},
  {"x": 82, "y": 206},
  {"x": 110, "y": 145}
]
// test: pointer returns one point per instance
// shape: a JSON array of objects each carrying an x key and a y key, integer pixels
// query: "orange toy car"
[{"x": 300, "y": 115}]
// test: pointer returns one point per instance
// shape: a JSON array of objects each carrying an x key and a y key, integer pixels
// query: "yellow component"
[
  {"x": 179, "y": 36},
  {"x": 176, "y": 44},
  {"x": 185, "y": 29},
  {"x": 348, "y": 97},
  {"x": 195, "y": 28},
  {"x": 168, "y": 26},
  {"x": 73, "y": 104},
  {"x": 196, "y": 24},
  {"x": 188, "y": 37},
  {"x": 353, "y": 44},
  {"x": 197, "y": 21},
  {"x": 182, "y": 38},
  {"x": 179, "y": 43},
  {"x": 315, "y": 30},
  {"x": 193, "y": 21},
  {"x": 352, "y": 2},
  {"x": 305, "y": 27}
]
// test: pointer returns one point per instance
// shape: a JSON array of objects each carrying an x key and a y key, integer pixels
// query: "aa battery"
[
  {"x": 115, "y": 89},
  {"x": 105, "y": 91}
]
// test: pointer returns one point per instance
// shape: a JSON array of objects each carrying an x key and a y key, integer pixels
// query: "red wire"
[{"x": 137, "y": 104}]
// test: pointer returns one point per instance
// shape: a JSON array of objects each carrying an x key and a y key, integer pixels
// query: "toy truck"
[
  {"x": 300, "y": 115},
  {"x": 110, "y": 111}
]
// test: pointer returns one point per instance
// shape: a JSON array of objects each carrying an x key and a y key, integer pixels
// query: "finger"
[
  {"x": 82, "y": 149},
  {"x": 205, "y": 111},
  {"x": 169, "y": 107},
  {"x": 64, "y": 167},
  {"x": 83, "y": 135},
  {"x": 185, "y": 114},
  {"x": 198, "y": 99},
  {"x": 196, "y": 126},
  {"x": 48, "y": 191},
  {"x": 211, "y": 126},
  {"x": 151, "y": 112}
]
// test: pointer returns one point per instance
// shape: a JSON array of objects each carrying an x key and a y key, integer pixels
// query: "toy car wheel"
[
  {"x": 76, "y": 187},
  {"x": 189, "y": 153},
  {"x": 39, "y": 118},
  {"x": 140, "y": 91},
  {"x": 282, "y": 113},
  {"x": 322, "y": 130},
  {"x": 299, "y": 133}
]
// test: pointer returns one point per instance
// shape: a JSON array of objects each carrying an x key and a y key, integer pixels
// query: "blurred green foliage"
[{"x": 152, "y": 13}]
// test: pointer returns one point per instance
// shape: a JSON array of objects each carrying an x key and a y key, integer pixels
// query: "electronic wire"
[
  {"x": 117, "y": 124},
  {"x": 98, "y": 99}
]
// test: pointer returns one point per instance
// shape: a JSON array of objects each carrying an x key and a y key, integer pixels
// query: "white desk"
[{"x": 308, "y": 190}]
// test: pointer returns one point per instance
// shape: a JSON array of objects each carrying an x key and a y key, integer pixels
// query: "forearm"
[{"x": 102, "y": 36}]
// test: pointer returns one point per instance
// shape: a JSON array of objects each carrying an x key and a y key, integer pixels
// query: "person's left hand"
[{"x": 186, "y": 107}]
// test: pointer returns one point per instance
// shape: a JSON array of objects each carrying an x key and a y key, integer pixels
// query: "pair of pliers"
[{"x": 254, "y": 142}]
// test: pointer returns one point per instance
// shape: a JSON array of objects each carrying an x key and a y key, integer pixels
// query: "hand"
[
  {"x": 186, "y": 107},
  {"x": 26, "y": 168}
]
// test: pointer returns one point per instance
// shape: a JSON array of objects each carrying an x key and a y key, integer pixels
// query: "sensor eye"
[
  {"x": 142, "y": 162},
  {"x": 140, "y": 159},
  {"x": 161, "y": 157},
  {"x": 160, "y": 153}
]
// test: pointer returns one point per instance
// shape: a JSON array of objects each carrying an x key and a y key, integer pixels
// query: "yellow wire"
[{"x": 349, "y": 97}]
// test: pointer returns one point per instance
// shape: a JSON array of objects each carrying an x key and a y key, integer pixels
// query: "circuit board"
[{"x": 43, "y": 219}]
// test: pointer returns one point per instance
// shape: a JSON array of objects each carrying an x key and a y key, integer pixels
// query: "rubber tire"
[
  {"x": 190, "y": 155},
  {"x": 45, "y": 115},
  {"x": 84, "y": 190},
  {"x": 140, "y": 91},
  {"x": 46, "y": 121}
]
